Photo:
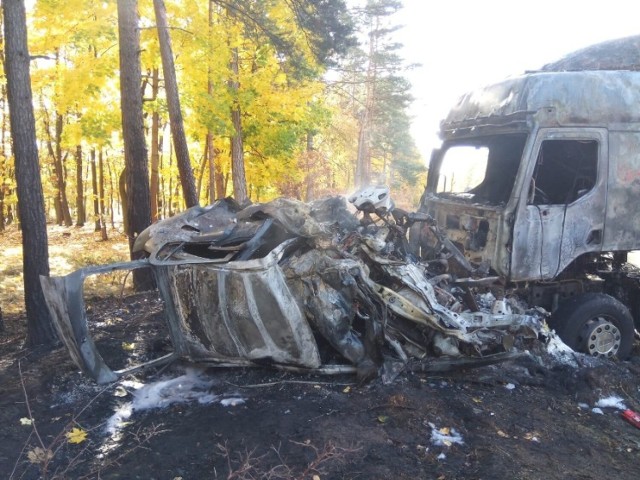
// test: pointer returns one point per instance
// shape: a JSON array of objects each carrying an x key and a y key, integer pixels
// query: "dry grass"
[{"x": 70, "y": 248}]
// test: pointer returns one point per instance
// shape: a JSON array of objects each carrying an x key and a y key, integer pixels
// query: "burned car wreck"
[{"x": 311, "y": 288}]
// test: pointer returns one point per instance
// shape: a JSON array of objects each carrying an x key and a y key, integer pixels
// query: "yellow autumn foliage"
[{"x": 282, "y": 96}]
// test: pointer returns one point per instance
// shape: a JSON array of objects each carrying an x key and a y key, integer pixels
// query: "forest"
[
  {"x": 141, "y": 109},
  {"x": 304, "y": 87}
]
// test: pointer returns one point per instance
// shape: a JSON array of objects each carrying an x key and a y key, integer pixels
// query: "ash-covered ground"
[{"x": 536, "y": 417}]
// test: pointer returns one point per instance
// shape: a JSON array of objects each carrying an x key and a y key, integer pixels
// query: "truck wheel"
[{"x": 596, "y": 324}]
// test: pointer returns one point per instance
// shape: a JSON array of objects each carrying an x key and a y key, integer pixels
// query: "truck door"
[{"x": 561, "y": 212}]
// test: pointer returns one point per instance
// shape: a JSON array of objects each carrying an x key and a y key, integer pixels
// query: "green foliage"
[{"x": 378, "y": 97}]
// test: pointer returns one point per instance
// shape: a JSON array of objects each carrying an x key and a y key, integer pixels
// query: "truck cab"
[{"x": 538, "y": 181}]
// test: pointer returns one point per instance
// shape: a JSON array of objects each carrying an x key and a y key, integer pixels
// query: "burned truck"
[{"x": 538, "y": 181}]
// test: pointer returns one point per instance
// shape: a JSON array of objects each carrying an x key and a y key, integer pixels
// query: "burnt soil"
[{"x": 523, "y": 419}]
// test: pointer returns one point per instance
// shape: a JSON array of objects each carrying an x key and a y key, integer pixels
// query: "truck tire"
[{"x": 596, "y": 324}]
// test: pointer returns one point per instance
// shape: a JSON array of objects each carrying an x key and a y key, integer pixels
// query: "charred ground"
[{"x": 520, "y": 419}]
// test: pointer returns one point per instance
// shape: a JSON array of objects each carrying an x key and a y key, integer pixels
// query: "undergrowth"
[{"x": 70, "y": 248}]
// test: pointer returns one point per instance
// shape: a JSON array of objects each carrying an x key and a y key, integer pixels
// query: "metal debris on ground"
[{"x": 310, "y": 287}]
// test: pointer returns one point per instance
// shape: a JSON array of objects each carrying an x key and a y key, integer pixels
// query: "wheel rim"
[{"x": 601, "y": 337}]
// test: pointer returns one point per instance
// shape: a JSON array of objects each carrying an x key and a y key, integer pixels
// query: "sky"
[{"x": 465, "y": 44}]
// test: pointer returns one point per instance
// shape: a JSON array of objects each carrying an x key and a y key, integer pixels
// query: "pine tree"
[
  {"x": 383, "y": 99},
  {"x": 40, "y": 329}
]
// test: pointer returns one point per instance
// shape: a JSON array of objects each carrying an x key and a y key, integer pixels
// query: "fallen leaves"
[
  {"x": 446, "y": 432},
  {"x": 65, "y": 255},
  {"x": 39, "y": 455},
  {"x": 76, "y": 435},
  {"x": 445, "y": 436},
  {"x": 383, "y": 418}
]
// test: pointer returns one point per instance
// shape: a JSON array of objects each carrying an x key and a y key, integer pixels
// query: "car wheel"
[{"x": 596, "y": 324}]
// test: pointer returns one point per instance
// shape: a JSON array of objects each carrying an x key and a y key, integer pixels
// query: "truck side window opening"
[
  {"x": 565, "y": 171},
  {"x": 481, "y": 170}
]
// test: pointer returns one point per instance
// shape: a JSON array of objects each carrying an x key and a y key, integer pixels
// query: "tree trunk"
[
  {"x": 62, "y": 180},
  {"x": 111, "y": 193},
  {"x": 237, "y": 159},
  {"x": 215, "y": 176},
  {"x": 162, "y": 186},
  {"x": 225, "y": 182},
  {"x": 57, "y": 207},
  {"x": 237, "y": 146},
  {"x": 124, "y": 199},
  {"x": 3, "y": 153},
  {"x": 9, "y": 215},
  {"x": 203, "y": 165},
  {"x": 81, "y": 214},
  {"x": 310, "y": 159},
  {"x": 221, "y": 181},
  {"x": 63, "y": 214},
  {"x": 94, "y": 191},
  {"x": 155, "y": 147},
  {"x": 2, "y": 225},
  {"x": 169, "y": 199},
  {"x": 173, "y": 104},
  {"x": 4, "y": 190},
  {"x": 363, "y": 161},
  {"x": 103, "y": 222},
  {"x": 135, "y": 149},
  {"x": 40, "y": 330}
]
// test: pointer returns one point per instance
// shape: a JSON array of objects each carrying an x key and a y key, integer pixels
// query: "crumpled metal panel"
[
  {"x": 183, "y": 227},
  {"x": 241, "y": 310},
  {"x": 330, "y": 288},
  {"x": 424, "y": 308},
  {"x": 65, "y": 301}
]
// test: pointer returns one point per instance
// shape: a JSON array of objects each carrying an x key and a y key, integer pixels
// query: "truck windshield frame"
[{"x": 479, "y": 170}]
